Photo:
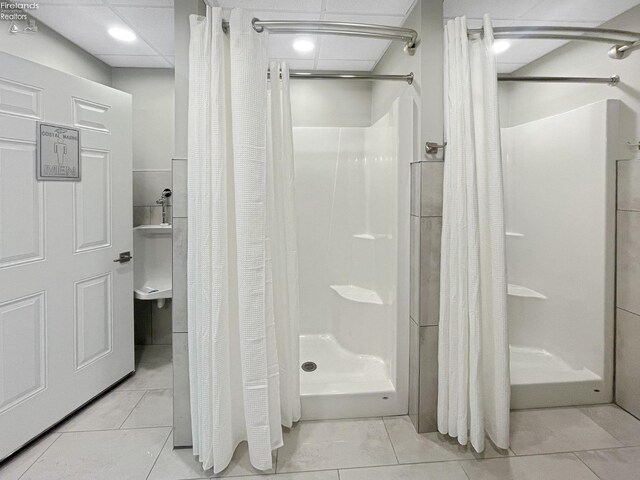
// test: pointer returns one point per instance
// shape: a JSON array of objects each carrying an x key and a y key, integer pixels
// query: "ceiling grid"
[{"x": 85, "y": 23}]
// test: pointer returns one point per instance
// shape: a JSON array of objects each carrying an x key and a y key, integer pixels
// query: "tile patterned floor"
[{"x": 126, "y": 435}]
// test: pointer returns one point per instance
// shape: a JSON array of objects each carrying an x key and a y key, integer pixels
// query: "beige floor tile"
[
  {"x": 615, "y": 464},
  {"x": 323, "y": 475},
  {"x": 149, "y": 376},
  {"x": 105, "y": 413},
  {"x": 422, "y": 471},
  {"x": 413, "y": 447},
  {"x": 621, "y": 425},
  {"x": 562, "y": 466},
  {"x": 15, "y": 466},
  {"x": 325, "y": 445},
  {"x": 154, "y": 410},
  {"x": 153, "y": 354},
  {"x": 555, "y": 430},
  {"x": 104, "y": 455},
  {"x": 180, "y": 463}
]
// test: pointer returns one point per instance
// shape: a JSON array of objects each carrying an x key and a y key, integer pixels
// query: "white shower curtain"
[
  {"x": 473, "y": 355},
  {"x": 282, "y": 240},
  {"x": 242, "y": 256}
]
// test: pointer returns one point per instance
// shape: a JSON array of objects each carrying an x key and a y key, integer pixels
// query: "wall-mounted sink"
[{"x": 152, "y": 263}]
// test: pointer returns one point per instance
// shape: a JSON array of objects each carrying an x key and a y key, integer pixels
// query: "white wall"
[
  {"x": 49, "y": 48},
  {"x": 526, "y": 102},
  {"x": 330, "y": 103},
  {"x": 395, "y": 61},
  {"x": 153, "y": 114},
  {"x": 426, "y": 65}
]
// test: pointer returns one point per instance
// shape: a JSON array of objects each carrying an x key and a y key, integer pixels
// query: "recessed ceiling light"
[
  {"x": 500, "y": 46},
  {"x": 303, "y": 45},
  {"x": 122, "y": 34}
]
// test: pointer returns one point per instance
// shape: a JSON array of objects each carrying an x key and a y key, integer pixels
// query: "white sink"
[{"x": 152, "y": 262}]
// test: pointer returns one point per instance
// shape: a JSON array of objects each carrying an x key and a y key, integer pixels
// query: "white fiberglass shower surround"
[
  {"x": 560, "y": 228},
  {"x": 352, "y": 199},
  {"x": 243, "y": 290}
]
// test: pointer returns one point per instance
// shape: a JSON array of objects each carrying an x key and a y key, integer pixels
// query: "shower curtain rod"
[
  {"x": 406, "y": 35},
  {"x": 329, "y": 75},
  {"x": 624, "y": 41},
  {"x": 333, "y": 75},
  {"x": 613, "y": 80}
]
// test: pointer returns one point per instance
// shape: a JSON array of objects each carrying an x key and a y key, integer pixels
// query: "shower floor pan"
[
  {"x": 344, "y": 384},
  {"x": 541, "y": 379}
]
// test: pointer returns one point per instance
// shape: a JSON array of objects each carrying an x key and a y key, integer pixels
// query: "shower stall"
[
  {"x": 352, "y": 199},
  {"x": 559, "y": 175}
]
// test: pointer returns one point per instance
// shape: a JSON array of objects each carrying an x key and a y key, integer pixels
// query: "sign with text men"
[{"x": 58, "y": 152}]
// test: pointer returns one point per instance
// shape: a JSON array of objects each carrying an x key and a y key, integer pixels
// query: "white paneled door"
[{"x": 66, "y": 308}]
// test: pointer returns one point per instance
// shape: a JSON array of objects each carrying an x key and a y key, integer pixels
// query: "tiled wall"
[
  {"x": 181, "y": 398},
  {"x": 152, "y": 324},
  {"x": 147, "y": 188},
  {"x": 426, "y": 227},
  {"x": 627, "y": 378},
  {"x": 181, "y": 406}
]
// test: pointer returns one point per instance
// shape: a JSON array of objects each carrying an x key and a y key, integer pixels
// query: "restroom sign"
[{"x": 58, "y": 152}]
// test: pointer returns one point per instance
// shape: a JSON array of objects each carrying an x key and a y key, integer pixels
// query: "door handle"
[{"x": 124, "y": 257}]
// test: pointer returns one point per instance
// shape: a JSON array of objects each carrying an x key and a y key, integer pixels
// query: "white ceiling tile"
[
  {"x": 505, "y": 9},
  {"x": 290, "y": 5},
  {"x": 350, "y": 48},
  {"x": 578, "y": 10},
  {"x": 478, "y": 22},
  {"x": 141, "y": 3},
  {"x": 374, "y": 7},
  {"x": 271, "y": 15},
  {"x": 139, "y": 61},
  {"x": 68, "y": 2},
  {"x": 281, "y": 46},
  {"x": 561, "y": 23},
  {"x": 525, "y": 51},
  {"x": 155, "y": 25},
  {"x": 359, "y": 18},
  {"x": 509, "y": 67},
  {"x": 87, "y": 27},
  {"x": 363, "y": 65}
]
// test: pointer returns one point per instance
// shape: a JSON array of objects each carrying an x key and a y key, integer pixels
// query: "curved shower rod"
[
  {"x": 406, "y": 35},
  {"x": 624, "y": 41}
]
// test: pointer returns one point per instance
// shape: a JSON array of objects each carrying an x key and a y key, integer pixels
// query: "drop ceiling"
[
  {"x": 85, "y": 22},
  {"x": 505, "y": 13}
]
